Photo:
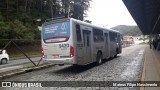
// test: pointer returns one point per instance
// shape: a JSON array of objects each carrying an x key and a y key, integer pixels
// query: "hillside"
[{"x": 128, "y": 30}]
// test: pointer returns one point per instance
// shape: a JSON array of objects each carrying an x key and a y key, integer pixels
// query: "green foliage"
[
  {"x": 14, "y": 30},
  {"x": 79, "y": 8},
  {"x": 4, "y": 28},
  {"x": 128, "y": 30},
  {"x": 88, "y": 21},
  {"x": 18, "y": 18}
]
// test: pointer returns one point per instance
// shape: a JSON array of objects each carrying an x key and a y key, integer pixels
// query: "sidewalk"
[{"x": 151, "y": 67}]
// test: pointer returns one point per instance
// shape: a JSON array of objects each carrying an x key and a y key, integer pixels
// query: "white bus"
[{"x": 70, "y": 41}]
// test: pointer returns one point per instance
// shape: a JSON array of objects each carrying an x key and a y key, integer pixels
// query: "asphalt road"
[{"x": 126, "y": 67}]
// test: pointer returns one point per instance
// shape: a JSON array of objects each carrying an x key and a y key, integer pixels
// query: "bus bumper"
[{"x": 61, "y": 61}]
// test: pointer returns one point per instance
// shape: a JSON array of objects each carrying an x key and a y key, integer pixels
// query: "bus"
[{"x": 71, "y": 41}]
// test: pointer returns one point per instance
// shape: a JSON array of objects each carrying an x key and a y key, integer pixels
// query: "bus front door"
[{"x": 87, "y": 46}]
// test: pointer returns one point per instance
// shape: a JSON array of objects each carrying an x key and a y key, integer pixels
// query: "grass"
[{"x": 29, "y": 50}]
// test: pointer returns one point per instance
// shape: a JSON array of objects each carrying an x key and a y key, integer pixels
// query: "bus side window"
[
  {"x": 98, "y": 35},
  {"x": 113, "y": 36},
  {"x": 87, "y": 40},
  {"x": 78, "y": 33}
]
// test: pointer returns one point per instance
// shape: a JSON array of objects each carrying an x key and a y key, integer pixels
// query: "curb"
[
  {"x": 142, "y": 78},
  {"x": 11, "y": 73}
]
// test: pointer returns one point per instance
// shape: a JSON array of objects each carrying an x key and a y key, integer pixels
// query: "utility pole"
[
  {"x": 7, "y": 9},
  {"x": 51, "y": 8},
  {"x": 41, "y": 12}
]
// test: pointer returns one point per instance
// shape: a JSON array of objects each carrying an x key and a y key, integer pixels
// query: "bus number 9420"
[{"x": 63, "y": 45}]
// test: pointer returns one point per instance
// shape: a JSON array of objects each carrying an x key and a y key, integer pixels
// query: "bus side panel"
[
  {"x": 99, "y": 44},
  {"x": 73, "y": 41},
  {"x": 77, "y": 44},
  {"x": 111, "y": 48},
  {"x": 85, "y": 47},
  {"x": 120, "y": 43},
  {"x": 107, "y": 45},
  {"x": 110, "y": 44},
  {"x": 98, "y": 47}
]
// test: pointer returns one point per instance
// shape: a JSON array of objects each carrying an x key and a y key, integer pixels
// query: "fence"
[{"x": 19, "y": 49}]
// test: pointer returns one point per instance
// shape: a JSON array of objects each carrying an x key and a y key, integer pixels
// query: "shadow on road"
[
  {"x": 75, "y": 69},
  {"x": 111, "y": 58}
]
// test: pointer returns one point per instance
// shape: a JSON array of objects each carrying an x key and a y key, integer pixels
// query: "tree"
[
  {"x": 88, "y": 21},
  {"x": 79, "y": 8},
  {"x": 18, "y": 18}
]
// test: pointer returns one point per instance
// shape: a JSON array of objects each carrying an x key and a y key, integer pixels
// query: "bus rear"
[{"x": 57, "y": 42}]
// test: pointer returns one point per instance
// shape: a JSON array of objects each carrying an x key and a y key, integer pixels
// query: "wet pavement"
[{"x": 126, "y": 67}]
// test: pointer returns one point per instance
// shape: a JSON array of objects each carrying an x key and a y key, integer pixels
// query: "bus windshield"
[{"x": 56, "y": 32}]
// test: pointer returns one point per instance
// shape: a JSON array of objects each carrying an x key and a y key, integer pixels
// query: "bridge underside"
[{"x": 146, "y": 14}]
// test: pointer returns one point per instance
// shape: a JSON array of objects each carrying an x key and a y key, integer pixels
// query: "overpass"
[{"x": 146, "y": 14}]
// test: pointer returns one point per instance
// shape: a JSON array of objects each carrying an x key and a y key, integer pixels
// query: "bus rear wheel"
[
  {"x": 116, "y": 53},
  {"x": 99, "y": 58}
]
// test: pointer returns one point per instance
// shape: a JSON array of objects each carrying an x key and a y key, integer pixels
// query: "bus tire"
[
  {"x": 99, "y": 58},
  {"x": 116, "y": 53}
]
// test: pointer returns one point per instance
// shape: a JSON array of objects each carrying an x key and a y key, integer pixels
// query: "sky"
[{"x": 109, "y": 13}]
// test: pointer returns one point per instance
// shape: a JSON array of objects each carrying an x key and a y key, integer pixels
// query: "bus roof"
[
  {"x": 81, "y": 22},
  {"x": 88, "y": 24}
]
